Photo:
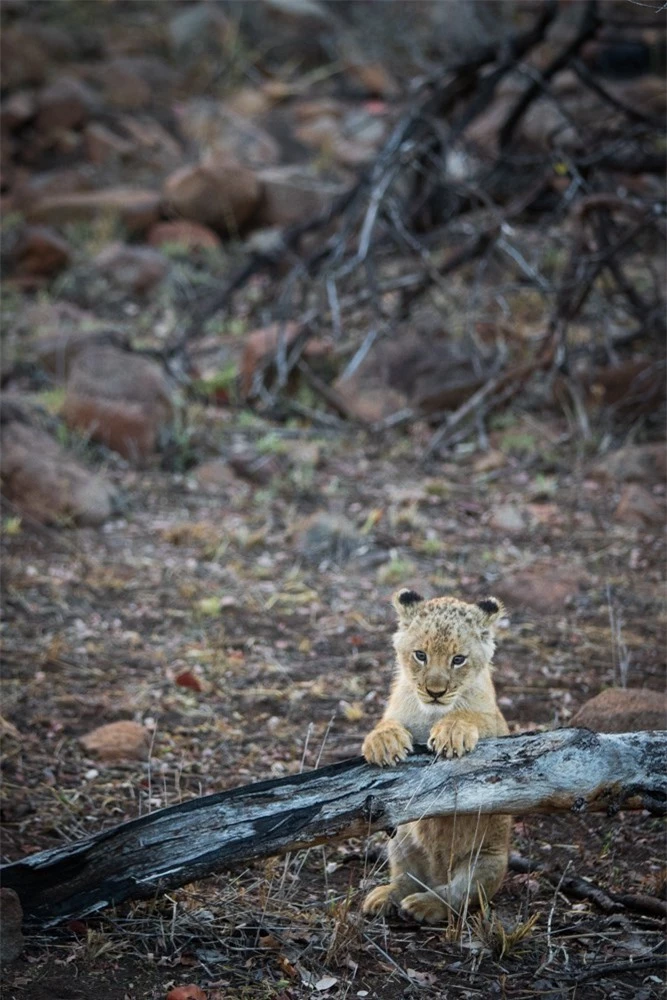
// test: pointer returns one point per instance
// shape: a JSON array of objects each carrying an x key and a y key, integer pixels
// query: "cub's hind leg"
[
  {"x": 408, "y": 868},
  {"x": 480, "y": 874}
]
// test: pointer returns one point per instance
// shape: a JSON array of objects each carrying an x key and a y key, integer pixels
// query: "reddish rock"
[
  {"x": 189, "y": 992},
  {"x": 215, "y": 476},
  {"x": 117, "y": 741},
  {"x": 65, "y": 104},
  {"x": 11, "y": 920},
  {"x": 133, "y": 269},
  {"x": 222, "y": 194},
  {"x": 17, "y": 109},
  {"x": 543, "y": 587},
  {"x": 59, "y": 331},
  {"x": 191, "y": 235},
  {"x": 119, "y": 399},
  {"x": 638, "y": 463},
  {"x": 260, "y": 346},
  {"x": 100, "y": 144},
  {"x": 373, "y": 78},
  {"x": 41, "y": 252},
  {"x": 153, "y": 144},
  {"x": 137, "y": 209},
  {"x": 24, "y": 59},
  {"x": 293, "y": 193},
  {"x": 623, "y": 710},
  {"x": 369, "y": 401},
  {"x": 638, "y": 507},
  {"x": 135, "y": 82},
  {"x": 47, "y": 484}
]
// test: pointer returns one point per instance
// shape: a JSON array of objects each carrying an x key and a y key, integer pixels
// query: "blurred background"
[{"x": 303, "y": 302}]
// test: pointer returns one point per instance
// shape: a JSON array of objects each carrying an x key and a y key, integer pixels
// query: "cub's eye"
[
  {"x": 458, "y": 659},
  {"x": 420, "y": 656}
]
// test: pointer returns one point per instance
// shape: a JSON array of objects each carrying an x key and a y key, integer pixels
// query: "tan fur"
[{"x": 444, "y": 863}]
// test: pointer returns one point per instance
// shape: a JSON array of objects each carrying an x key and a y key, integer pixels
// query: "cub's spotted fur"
[{"x": 443, "y": 695}]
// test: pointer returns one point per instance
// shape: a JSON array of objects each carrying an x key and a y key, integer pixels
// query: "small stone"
[
  {"x": 490, "y": 461},
  {"x": 190, "y": 235},
  {"x": 67, "y": 103},
  {"x": 259, "y": 346},
  {"x": 294, "y": 193},
  {"x": 640, "y": 463},
  {"x": 137, "y": 209},
  {"x": 41, "y": 252},
  {"x": 117, "y": 741},
  {"x": 120, "y": 399},
  {"x": 17, "y": 109},
  {"x": 135, "y": 82},
  {"x": 623, "y": 710},
  {"x": 508, "y": 517},
  {"x": 215, "y": 475},
  {"x": 11, "y": 920},
  {"x": 221, "y": 194},
  {"x": 638, "y": 507},
  {"x": 101, "y": 144},
  {"x": 132, "y": 269}
]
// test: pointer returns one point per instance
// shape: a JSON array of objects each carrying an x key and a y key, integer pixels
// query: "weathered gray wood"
[{"x": 567, "y": 769}]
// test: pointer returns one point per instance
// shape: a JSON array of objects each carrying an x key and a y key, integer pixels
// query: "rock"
[
  {"x": 350, "y": 137},
  {"x": 46, "y": 483},
  {"x": 23, "y": 58},
  {"x": 623, "y": 710},
  {"x": 259, "y": 346},
  {"x": 215, "y": 475},
  {"x": 248, "y": 102},
  {"x": 219, "y": 194},
  {"x": 137, "y": 209},
  {"x": 100, "y": 144},
  {"x": 191, "y": 235},
  {"x": 117, "y": 741},
  {"x": 638, "y": 463},
  {"x": 216, "y": 130},
  {"x": 255, "y": 466},
  {"x": 17, "y": 109},
  {"x": 543, "y": 587},
  {"x": 195, "y": 27},
  {"x": 66, "y": 103},
  {"x": 132, "y": 269},
  {"x": 59, "y": 331},
  {"x": 373, "y": 78},
  {"x": 121, "y": 400},
  {"x": 189, "y": 992},
  {"x": 41, "y": 252},
  {"x": 136, "y": 82},
  {"x": 369, "y": 401},
  {"x": 11, "y": 920},
  {"x": 489, "y": 461},
  {"x": 294, "y": 193},
  {"x": 327, "y": 537},
  {"x": 637, "y": 506},
  {"x": 508, "y": 517}
]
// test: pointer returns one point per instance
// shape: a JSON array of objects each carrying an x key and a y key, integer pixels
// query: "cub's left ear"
[{"x": 492, "y": 609}]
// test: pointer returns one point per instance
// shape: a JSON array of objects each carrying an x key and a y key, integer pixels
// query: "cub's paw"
[
  {"x": 388, "y": 743},
  {"x": 424, "y": 907},
  {"x": 379, "y": 902},
  {"x": 453, "y": 737}
]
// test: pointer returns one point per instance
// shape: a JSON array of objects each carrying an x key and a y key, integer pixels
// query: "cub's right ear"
[{"x": 406, "y": 603}]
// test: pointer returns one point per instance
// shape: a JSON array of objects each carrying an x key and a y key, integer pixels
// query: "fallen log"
[{"x": 567, "y": 769}]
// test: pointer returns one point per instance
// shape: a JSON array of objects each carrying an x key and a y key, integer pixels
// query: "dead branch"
[
  {"x": 567, "y": 769},
  {"x": 579, "y": 888}
]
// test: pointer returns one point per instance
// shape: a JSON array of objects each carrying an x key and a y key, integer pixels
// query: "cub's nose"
[{"x": 435, "y": 694}]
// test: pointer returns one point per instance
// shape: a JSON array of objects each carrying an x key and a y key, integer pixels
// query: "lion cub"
[{"x": 443, "y": 695}]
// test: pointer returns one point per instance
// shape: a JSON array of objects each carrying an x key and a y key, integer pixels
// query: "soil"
[{"x": 292, "y": 661}]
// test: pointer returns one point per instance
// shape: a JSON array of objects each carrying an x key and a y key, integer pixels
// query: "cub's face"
[{"x": 443, "y": 644}]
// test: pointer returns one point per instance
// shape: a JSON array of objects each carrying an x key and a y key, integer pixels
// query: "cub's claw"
[
  {"x": 379, "y": 902},
  {"x": 389, "y": 743},
  {"x": 453, "y": 738}
]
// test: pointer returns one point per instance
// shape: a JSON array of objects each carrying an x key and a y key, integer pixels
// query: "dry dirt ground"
[{"x": 288, "y": 661}]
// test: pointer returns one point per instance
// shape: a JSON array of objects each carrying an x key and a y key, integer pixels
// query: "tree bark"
[{"x": 567, "y": 769}]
